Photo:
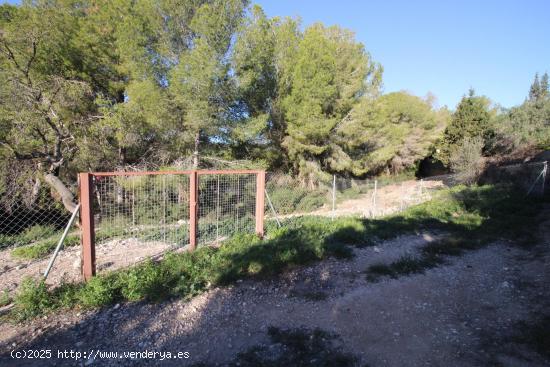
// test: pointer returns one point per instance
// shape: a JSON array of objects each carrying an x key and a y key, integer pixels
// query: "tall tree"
[
  {"x": 471, "y": 119},
  {"x": 201, "y": 82},
  {"x": 535, "y": 89},
  {"x": 262, "y": 58},
  {"x": 50, "y": 75},
  {"x": 329, "y": 74},
  {"x": 527, "y": 124},
  {"x": 391, "y": 133},
  {"x": 544, "y": 85}
]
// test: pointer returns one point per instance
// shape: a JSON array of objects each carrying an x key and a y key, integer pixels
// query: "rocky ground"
[{"x": 487, "y": 307}]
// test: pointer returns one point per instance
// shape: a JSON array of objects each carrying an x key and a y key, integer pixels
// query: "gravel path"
[{"x": 468, "y": 312}]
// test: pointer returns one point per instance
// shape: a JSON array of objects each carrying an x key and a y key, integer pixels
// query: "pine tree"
[
  {"x": 535, "y": 89},
  {"x": 544, "y": 85},
  {"x": 471, "y": 119},
  {"x": 329, "y": 75}
]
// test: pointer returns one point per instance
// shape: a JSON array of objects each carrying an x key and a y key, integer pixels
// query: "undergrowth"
[
  {"x": 44, "y": 247},
  {"x": 36, "y": 247},
  {"x": 474, "y": 215},
  {"x": 29, "y": 235}
]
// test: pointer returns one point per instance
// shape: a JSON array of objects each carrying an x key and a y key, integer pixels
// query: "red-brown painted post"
[
  {"x": 193, "y": 209},
  {"x": 260, "y": 204},
  {"x": 87, "y": 238}
]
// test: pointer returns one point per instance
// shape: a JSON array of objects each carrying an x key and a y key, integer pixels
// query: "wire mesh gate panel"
[
  {"x": 227, "y": 205},
  {"x": 135, "y": 215},
  {"x": 147, "y": 208}
]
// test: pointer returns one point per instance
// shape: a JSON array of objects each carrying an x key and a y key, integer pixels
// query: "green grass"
[
  {"x": 42, "y": 248},
  {"x": 478, "y": 213},
  {"x": 32, "y": 246},
  {"x": 5, "y": 298},
  {"x": 30, "y": 235},
  {"x": 188, "y": 274},
  {"x": 472, "y": 217},
  {"x": 36, "y": 242}
]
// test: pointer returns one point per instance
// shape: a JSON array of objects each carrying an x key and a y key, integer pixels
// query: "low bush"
[
  {"x": 467, "y": 160},
  {"x": 294, "y": 199},
  {"x": 36, "y": 233},
  {"x": 32, "y": 299}
]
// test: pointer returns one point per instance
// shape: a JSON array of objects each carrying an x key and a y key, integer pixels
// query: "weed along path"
[
  {"x": 488, "y": 306},
  {"x": 111, "y": 255}
]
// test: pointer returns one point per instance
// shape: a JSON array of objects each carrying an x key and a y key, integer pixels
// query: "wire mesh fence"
[
  {"x": 148, "y": 208},
  {"x": 142, "y": 214},
  {"x": 227, "y": 205},
  {"x": 289, "y": 198},
  {"x": 139, "y": 215},
  {"x": 529, "y": 176},
  {"x": 29, "y": 216}
]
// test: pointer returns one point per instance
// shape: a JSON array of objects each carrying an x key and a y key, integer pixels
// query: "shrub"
[
  {"x": 467, "y": 161},
  {"x": 146, "y": 281},
  {"x": 32, "y": 299},
  {"x": 311, "y": 201},
  {"x": 288, "y": 200},
  {"x": 98, "y": 291},
  {"x": 6, "y": 241}
]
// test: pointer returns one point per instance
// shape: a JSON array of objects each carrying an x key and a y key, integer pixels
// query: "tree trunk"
[
  {"x": 66, "y": 195},
  {"x": 196, "y": 151},
  {"x": 122, "y": 156}
]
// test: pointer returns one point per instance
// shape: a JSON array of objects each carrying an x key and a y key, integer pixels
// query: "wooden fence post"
[
  {"x": 260, "y": 204},
  {"x": 87, "y": 238},
  {"x": 193, "y": 209}
]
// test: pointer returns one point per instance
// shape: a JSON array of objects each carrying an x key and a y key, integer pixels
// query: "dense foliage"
[
  {"x": 527, "y": 124},
  {"x": 99, "y": 85}
]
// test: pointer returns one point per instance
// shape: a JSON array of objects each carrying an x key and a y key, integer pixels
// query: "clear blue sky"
[{"x": 442, "y": 46}]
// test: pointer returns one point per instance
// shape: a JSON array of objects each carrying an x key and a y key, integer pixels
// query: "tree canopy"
[
  {"x": 472, "y": 118},
  {"x": 99, "y": 85}
]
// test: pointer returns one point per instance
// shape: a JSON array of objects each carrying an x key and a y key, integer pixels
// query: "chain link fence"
[{"x": 30, "y": 213}]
